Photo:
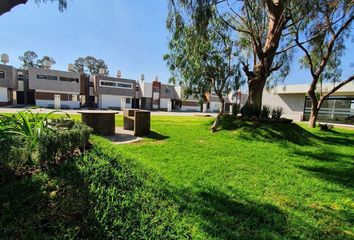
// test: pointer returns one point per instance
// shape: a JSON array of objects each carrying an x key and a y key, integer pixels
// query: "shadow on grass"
[
  {"x": 226, "y": 218},
  {"x": 269, "y": 132},
  {"x": 46, "y": 205},
  {"x": 340, "y": 175},
  {"x": 156, "y": 136}
]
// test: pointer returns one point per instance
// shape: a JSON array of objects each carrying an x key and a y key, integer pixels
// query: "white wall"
[
  {"x": 214, "y": 106},
  {"x": 47, "y": 103},
  {"x": 191, "y": 108},
  {"x": 3, "y": 95},
  {"x": 112, "y": 101},
  {"x": 164, "y": 102},
  {"x": 292, "y": 104},
  {"x": 146, "y": 89}
]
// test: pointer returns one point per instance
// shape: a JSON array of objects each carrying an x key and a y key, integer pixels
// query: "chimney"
[
  {"x": 156, "y": 79},
  {"x": 142, "y": 77},
  {"x": 47, "y": 64},
  {"x": 119, "y": 74},
  {"x": 102, "y": 71},
  {"x": 71, "y": 67}
]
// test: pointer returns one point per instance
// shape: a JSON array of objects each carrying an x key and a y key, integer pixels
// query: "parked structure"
[{"x": 339, "y": 107}]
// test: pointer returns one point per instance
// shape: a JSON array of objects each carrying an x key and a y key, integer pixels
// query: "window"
[
  {"x": 113, "y": 84},
  {"x": 54, "y": 78},
  {"x": 42, "y": 76},
  {"x": 20, "y": 77},
  {"x": 2, "y": 74},
  {"x": 74, "y": 98},
  {"x": 67, "y": 79},
  {"x": 47, "y": 77},
  {"x": 168, "y": 91},
  {"x": 127, "y": 101}
]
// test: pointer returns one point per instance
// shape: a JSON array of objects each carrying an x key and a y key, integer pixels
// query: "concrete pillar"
[
  {"x": 123, "y": 103},
  {"x": 169, "y": 106}
]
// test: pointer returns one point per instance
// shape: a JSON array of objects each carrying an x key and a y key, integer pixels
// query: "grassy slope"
[{"x": 260, "y": 182}]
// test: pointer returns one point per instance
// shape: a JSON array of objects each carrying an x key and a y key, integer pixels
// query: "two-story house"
[{"x": 8, "y": 85}]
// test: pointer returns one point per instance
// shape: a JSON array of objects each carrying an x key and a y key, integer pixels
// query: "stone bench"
[
  {"x": 136, "y": 120},
  {"x": 102, "y": 122}
]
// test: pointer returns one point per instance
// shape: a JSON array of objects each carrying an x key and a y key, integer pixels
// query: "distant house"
[
  {"x": 54, "y": 89},
  {"x": 114, "y": 92},
  {"x": 8, "y": 84},
  {"x": 294, "y": 100}
]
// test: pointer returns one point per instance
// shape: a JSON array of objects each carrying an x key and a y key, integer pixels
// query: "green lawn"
[
  {"x": 246, "y": 181},
  {"x": 254, "y": 182}
]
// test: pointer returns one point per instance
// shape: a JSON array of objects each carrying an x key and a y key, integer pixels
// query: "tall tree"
[
  {"x": 28, "y": 59},
  {"x": 321, "y": 37},
  {"x": 261, "y": 28},
  {"x": 41, "y": 62},
  {"x": 7, "y": 5},
  {"x": 203, "y": 58},
  {"x": 90, "y": 65}
]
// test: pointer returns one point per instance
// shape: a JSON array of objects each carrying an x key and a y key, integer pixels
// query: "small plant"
[
  {"x": 277, "y": 112},
  {"x": 325, "y": 127},
  {"x": 265, "y": 112}
]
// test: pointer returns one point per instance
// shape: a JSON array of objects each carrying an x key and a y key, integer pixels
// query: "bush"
[
  {"x": 61, "y": 144},
  {"x": 130, "y": 202},
  {"x": 277, "y": 112},
  {"x": 235, "y": 109},
  {"x": 266, "y": 110},
  {"x": 250, "y": 111}
]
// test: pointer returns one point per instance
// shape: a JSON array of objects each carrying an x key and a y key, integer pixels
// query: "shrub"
[
  {"x": 235, "y": 109},
  {"x": 250, "y": 111},
  {"x": 265, "y": 111},
  {"x": 277, "y": 112},
  {"x": 61, "y": 144}
]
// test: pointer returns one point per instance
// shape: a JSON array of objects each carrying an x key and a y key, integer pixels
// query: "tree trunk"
[
  {"x": 314, "y": 108},
  {"x": 253, "y": 104},
  {"x": 214, "y": 127},
  {"x": 313, "y": 116}
]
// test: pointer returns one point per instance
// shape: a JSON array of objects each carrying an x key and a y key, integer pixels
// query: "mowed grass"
[{"x": 253, "y": 181}]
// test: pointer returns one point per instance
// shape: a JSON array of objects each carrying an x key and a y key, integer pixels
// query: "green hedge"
[
  {"x": 129, "y": 202},
  {"x": 61, "y": 144}
]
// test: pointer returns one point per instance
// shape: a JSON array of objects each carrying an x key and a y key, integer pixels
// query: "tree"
[
  {"x": 28, "y": 59},
  {"x": 260, "y": 29},
  {"x": 40, "y": 62},
  {"x": 325, "y": 30},
  {"x": 203, "y": 59},
  {"x": 90, "y": 65},
  {"x": 7, "y": 5}
]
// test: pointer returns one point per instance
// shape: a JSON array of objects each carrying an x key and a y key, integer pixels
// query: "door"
[{"x": 57, "y": 101}]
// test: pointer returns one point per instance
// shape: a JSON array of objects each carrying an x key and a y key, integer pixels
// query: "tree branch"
[
  {"x": 348, "y": 80},
  {"x": 7, "y": 5}
]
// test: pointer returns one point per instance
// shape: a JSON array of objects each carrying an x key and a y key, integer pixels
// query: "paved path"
[{"x": 70, "y": 111}]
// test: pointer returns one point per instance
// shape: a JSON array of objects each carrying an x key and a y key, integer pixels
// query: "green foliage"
[
  {"x": 250, "y": 111},
  {"x": 129, "y": 202},
  {"x": 203, "y": 55},
  {"x": 277, "y": 112},
  {"x": 235, "y": 109},
  {"x": 61, "y": 144},
  {"x": 36, "y": 139},
  {"x": 266, "y": 110},
  {"x": 30, "y": 59},
  {"x": 90, "y": 65}
]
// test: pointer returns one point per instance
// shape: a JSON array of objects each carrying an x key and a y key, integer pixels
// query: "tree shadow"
[
  {"x": 339, "y": 175},
  {"x": 225, "y": 218},
  {"x": 266, "y": 131},
  {"x": 56, "y": 203},
  {"x": 156, "y": 136}
]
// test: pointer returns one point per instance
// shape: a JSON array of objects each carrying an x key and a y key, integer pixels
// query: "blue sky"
[{"x": 129, "y": 35}]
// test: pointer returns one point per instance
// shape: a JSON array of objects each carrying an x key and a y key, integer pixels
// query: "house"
[
  {"x": 294, "y": 100},
  {"x": 113, "y": 92},
  {"x": 8, "y": 85},
  {"x": 188, "y": 103},
  {"x": 53, "y": 88}
]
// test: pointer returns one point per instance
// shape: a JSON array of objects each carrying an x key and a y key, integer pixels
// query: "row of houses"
[{"x": 45, "y": 87}]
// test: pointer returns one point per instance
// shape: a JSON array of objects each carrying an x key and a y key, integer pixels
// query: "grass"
[
  {"x": 247, "y": 181},
  {"x": 254, "y": 181}
]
